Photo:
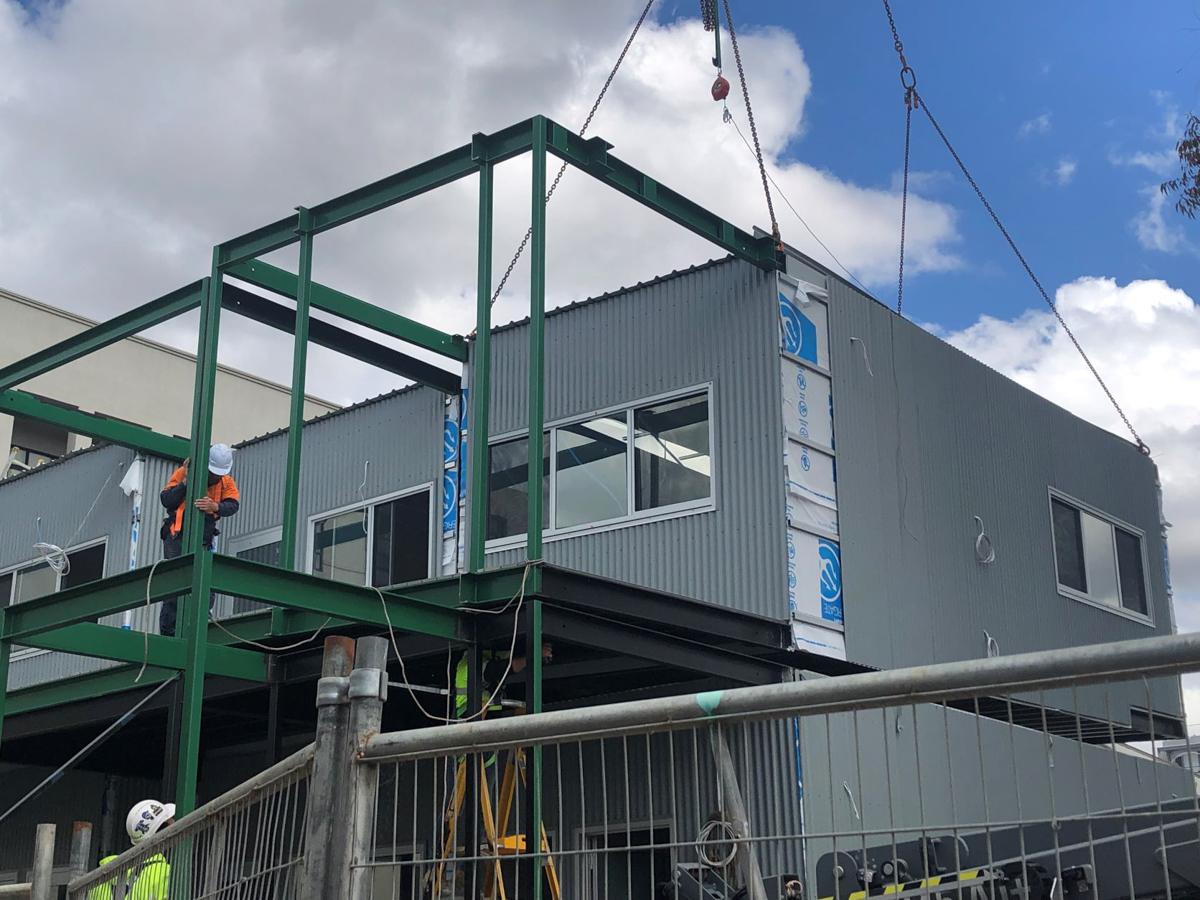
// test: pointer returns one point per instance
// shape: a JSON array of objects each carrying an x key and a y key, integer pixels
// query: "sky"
[{"x": 135, "y": 136}]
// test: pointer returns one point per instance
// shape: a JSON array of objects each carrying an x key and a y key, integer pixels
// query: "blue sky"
[{"x": 1105, "y": 72}]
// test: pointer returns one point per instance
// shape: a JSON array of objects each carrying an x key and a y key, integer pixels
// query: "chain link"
[
  {"x": 904, "y": 212},
  {"x": 582, "y": 131},
  {"x": 762, "y": 169},
  {"x": 708, "y": 14}
]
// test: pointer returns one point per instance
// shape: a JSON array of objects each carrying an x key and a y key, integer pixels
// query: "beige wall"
[{"x": 137, "y": 380}]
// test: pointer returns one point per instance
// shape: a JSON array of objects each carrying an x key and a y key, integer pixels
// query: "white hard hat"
[
  {"x": 146, "y": 818},
  {"x": 220, "y": 459}
]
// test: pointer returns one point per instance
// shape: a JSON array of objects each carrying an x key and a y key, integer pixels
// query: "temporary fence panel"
[
  {"x": 249, "y": 842},
  {"x": 915, "y": 782}
]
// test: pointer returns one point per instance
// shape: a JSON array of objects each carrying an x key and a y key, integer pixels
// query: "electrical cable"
[
  {"x": 919, "y": 102},
  {"x": 55, "y": 556},
  {"x": 582, "y": 131},
  {"x": 705, "y": 840},
  {"x": 518, "y": 598}
]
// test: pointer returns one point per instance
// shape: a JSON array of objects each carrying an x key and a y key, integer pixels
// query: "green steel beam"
[
  {"x": 115, "y": 431},
  {"x": 480, "y": 392},
  {"x": 411, "y": 182},
  {"x": 107, "y": 642},
  {"x": 276, "y": 315},
  {"x": 83, "y": 687},
  {"x": 125, "y": 325},
  {"x": 280, "y": 281},
  {"x": 294, "y": 590},
  {"x": 537, "y": 339},
  {"x": 592, "y": 156},
  {"x": 127, "y": 590}
]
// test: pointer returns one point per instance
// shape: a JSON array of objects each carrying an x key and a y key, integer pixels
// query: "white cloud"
[
  {"x": 1145, "y": 338},
  {"x": 136, "y": 137},
  {"x": 1154, "y": 230},
  {"x": 1064, "y": 172},
  {"x": 1037, "y": 125}
]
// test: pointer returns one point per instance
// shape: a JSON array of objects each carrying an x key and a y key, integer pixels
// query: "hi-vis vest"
[
  {"x": 151, "y": 881},
  {"x": 460, "y": 688}
]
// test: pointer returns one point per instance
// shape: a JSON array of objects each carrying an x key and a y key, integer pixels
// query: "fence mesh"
[
  {"x": 248, "y": 843},
  {"x": 1036, "y": 796}
]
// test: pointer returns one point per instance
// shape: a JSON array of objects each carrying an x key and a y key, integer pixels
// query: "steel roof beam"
[
  {"x": 98, "y": 336},
  {"x": 275, "y": 315},
  {"x": 280, "y": 281}
]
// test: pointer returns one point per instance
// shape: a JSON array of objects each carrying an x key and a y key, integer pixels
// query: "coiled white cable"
[{"x": 705, "y": 842}]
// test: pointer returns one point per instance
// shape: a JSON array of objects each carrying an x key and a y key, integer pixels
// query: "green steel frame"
[{"x": 66, "y": 620}]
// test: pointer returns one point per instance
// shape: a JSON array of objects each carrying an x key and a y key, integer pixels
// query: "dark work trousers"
[{"x": 172, "y": 548}]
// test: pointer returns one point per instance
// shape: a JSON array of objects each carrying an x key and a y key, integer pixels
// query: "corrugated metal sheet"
[
  {"x": 400, "y": 437},
  {"x": 62, "y": 494},
  {"x": 718, "y": 324},
  {"x": 932, "y": 439}
]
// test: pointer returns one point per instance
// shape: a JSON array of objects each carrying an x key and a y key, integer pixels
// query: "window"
[
  {"x": 592, "y": 478},
  {"x": 508, "y": 486},
  {"x": 388, "y": 538},
  {"x": 628, "y": 863},
  {"x": 592, "y": 471},
  {"x": 37, "y": 579},
  {"x": 1097, "y": 559},
  {"x": 262, "y": 547},
  {"x": 671, "y": 453}
]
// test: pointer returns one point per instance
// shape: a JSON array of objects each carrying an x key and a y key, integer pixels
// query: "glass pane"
[
  {"x": 340, "y": 548},
  {"x": 1101, "y": 560},
  {"x": 6, "y": 583},
  {"x": 1068, "y": 546},
  {"x": 263, "y": 553},
  {"x": 508, "y": 486},
  {"x": 36, "y": 581},
  {"x": 401, "y": 551},
  {"x": 86, "y": 565},
  {"x": 671, "y": 453},
  {"x": 1133, "y": 578},
  {"x": 591, "y": 474}
]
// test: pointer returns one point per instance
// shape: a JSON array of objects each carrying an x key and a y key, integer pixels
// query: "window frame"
[
  {"x": 590, "y": 855},
  {"x": 550, "y": 532},
  {"x": 1146, "y": 618},
  {"x": 27, "y": 652},
  {"x": 435, "y": 511},
  {"x": 254, "y": 540}
]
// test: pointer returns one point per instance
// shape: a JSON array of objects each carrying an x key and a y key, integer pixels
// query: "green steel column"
[
  {"x": 291, "y": 492},
  {"x": 533, "y": 705},
  {"x": 194, "y": 607},
  {"x": 480, "y": 386},
  {"x": 537, "y": 340}
]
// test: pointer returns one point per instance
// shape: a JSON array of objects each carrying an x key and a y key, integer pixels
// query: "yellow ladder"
[{"x": 500, "y": 843}]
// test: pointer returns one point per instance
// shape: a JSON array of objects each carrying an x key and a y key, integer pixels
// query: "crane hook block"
[{"x": 720, "y": 88}]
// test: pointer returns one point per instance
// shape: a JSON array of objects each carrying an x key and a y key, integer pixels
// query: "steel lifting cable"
[
  {"x": 762, "y": 169},
  {"x": 913, "y": 100},
  {"x": 582, "y": 131}
]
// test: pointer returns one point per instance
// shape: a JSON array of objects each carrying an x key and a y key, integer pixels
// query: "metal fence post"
[
  {"x": 368, "y": 691},
  {"x": 735, "y": 809},
  {"x": 43, "y": 864},
  {"x": 325, "y": 841},
  {"x": 81, "y": 848}
]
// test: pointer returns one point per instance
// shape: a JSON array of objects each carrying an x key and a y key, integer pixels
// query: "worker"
[
  {"x": 494, "y": 666},
  {"x": 220, "y": 502},
  {"x": 152, "y": 877}
]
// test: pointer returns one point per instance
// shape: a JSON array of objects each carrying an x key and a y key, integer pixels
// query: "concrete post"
[
  {"x": 368, "y": 691},
  {"x": 328, "y": 809},
  {"x": 735, "y": 811},
  {"x": 43, "y": 864},
  {"x": 81, "y": 848}
]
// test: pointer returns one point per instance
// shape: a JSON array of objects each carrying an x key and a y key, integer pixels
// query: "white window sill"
[{"x": 1120, "y": 611}]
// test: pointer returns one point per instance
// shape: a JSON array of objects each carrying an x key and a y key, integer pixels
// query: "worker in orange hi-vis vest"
[{"x": 220, "y": 502}]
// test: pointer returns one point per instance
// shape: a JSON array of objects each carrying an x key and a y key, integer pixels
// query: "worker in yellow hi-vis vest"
[
  {"x": 151, "y": 878},
  {"x": 494, "y": 667}
]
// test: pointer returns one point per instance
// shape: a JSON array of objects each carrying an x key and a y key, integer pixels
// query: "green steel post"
[
  {"x": 480, "y": 389},
  {"x": 195, "y": 606},
  {"x": 295, "y": 441},
  {"x": 537, "y": 340}
]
